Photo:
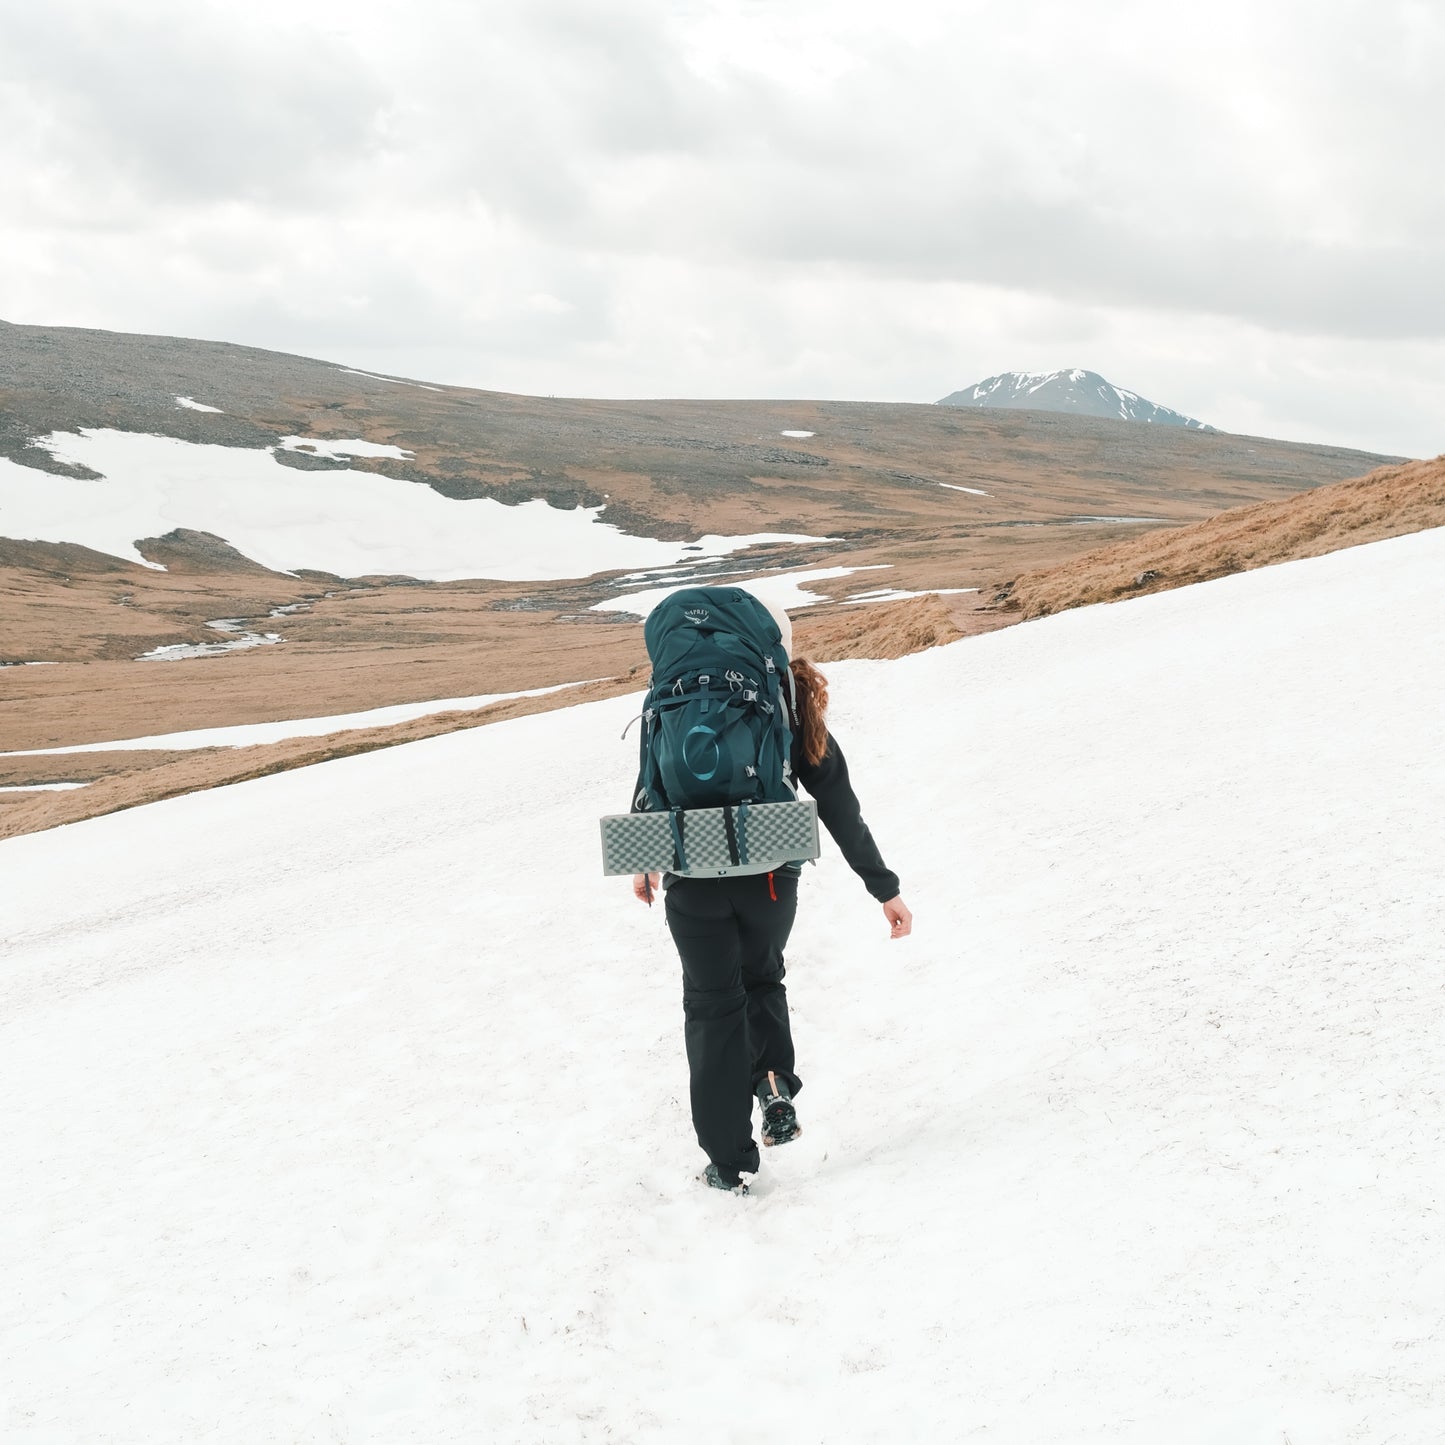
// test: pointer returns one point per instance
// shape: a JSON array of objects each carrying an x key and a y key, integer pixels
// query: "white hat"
[{"x": 785, "y": 623}]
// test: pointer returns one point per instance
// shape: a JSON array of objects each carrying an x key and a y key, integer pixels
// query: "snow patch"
[
  {"x": 246, "y": 735},
  {"x": 972, "y": 491},
  {"x": 1091, "y": 521},
  {"x": 348, "y": 522},
  {"x": 798, "y": 434},
  {"x": 179, "y": 651},
  {"x": 393, "y": 380},
  {"x": 339, "y": 450},
  {"x": 41, "y": 787},
  {"x": 787, "y": 590},
  {"x": 894, "y": 594},
  {"x": 191, "y": 404}
]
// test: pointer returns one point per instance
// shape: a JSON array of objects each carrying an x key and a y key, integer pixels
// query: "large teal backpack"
[{"x": 715, "y": 726}]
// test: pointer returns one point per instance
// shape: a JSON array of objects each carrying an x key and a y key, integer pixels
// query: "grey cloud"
[
  {"x": 179, "y": 107},
  {"x": 428, "y": 179},
  {"x": 1288, "y": 209},
  {"x": 621, "y": 78},
  {"x": 1072, "y": 252},
  {"x": 541, "y": 114},
  {"x": 388, "y": 303}
]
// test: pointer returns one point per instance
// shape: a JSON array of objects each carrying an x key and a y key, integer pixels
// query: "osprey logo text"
[{"x": 697, "y": 615}]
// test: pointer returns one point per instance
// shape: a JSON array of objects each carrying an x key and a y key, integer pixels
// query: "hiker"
[{"x": 730, "y": 933}]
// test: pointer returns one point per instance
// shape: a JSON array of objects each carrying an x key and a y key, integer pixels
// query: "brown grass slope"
[
  {"x": 1387, "y": 503},
  {"x": 127, "y": 780},
  {"x": 937, "y": 497}
]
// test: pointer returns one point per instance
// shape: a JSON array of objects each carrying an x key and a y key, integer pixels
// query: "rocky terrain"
[{"x": 942, "y": 498}]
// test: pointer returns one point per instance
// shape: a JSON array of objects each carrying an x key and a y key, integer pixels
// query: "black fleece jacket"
[{"x": 841, "y": 814}]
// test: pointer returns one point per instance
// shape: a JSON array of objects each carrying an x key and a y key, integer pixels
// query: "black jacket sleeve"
[{"x": 842, "y": 815}]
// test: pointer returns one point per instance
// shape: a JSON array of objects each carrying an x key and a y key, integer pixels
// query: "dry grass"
[
  {"x": 942, "y": 498},
  {"x": 127, "y": 780},
  {"x": 1387, "y": 503},
  {"x": 884, "y": 629},
  {"x": 147, "y": 777}
]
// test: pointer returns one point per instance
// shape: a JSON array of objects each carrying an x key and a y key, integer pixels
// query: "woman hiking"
[{"x": 730, "y": 934}]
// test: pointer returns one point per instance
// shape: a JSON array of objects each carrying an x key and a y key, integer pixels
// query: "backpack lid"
[{"x": 705, "y": 610}]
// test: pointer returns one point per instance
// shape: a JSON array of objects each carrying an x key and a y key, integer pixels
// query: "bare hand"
[
  {"x": 899, "y": 918},
  {"x": 645, "y": 886}
]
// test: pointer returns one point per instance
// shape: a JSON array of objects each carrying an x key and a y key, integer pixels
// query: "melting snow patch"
[
  {"x": 191, "y": 404},
  {"x": 394, "y": 380},
  {"x": 337, "y": 450},
  {"x": 799, "y": 434},
  {"x": 894, "y": 594},
  {"x": 972, "y": 491},
  {"x": 179, "y": 651},
  {"x": 682, "y": 576},
  {"x": 351, "y": 523},
  {"x": 245, "y": 735},
  {"x": 1090, "y": 521},
  {"x": 41, "y": 787},
  {"x": 784, "y": 589}
]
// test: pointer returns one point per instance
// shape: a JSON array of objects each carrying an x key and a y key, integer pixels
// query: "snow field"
[
  {"x": 353, "y": 1106},
  {"x": 352, "y": 523},
  {"x": 245, "y": 735},
  {"x": 787, "y": 590}
]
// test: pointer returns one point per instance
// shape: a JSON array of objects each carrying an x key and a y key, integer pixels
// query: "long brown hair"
[{"x": 812, "y": 690}]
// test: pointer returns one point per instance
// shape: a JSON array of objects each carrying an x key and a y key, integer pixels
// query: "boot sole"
[{"x": 770, "y": 1143}]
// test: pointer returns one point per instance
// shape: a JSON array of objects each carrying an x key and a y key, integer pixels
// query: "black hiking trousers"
[{"x": 730, "y": 934}]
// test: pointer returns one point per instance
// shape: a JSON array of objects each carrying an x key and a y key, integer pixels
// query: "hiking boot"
[
  {"x": 780, "y": 1119},
  {"x": 713, "y": 1178}
]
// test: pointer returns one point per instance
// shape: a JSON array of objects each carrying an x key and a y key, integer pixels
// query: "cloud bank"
[{"x": 1233, "y": 213}]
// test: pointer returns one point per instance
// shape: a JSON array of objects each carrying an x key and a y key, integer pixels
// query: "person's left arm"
[{"x": 842, "y": 815}]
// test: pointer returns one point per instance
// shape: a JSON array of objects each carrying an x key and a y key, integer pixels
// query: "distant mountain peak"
[{"x": 1085, "y": 393}]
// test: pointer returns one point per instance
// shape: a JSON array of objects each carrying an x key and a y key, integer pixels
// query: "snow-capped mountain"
[{"x": 1083, "y": 392}]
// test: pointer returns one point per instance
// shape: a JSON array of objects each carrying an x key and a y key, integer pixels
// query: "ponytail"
[{"x": 812, "y": 690}]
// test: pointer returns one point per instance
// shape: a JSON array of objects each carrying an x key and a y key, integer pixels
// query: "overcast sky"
[{"x": 1234, "y": 208}]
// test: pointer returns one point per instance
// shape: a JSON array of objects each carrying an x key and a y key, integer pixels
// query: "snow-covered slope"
[
  {"x": 349, "y": 1104},
  {"x": 348, "y": 522},
  {"x": 1085, "y": 393}
]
